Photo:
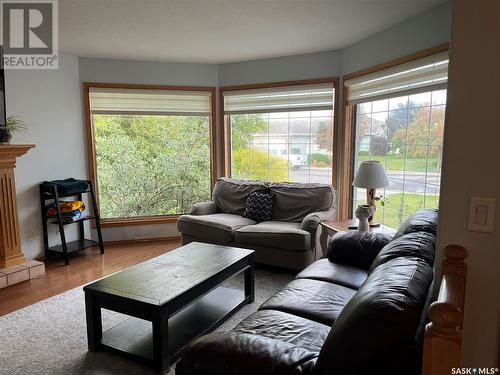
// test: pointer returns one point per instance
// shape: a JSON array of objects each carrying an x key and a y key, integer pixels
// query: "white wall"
[
  {"x": 471, "y": 169},
  {"x": 49, "y": 102}
]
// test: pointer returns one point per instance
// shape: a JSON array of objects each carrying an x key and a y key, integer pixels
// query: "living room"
[{"x": 176, "y": 122}]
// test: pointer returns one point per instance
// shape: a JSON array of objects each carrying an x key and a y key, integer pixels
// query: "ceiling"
[{"x": 221, "y": 31}]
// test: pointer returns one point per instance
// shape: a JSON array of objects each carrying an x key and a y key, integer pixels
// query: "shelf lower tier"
[{"x": 73, "y": 246}]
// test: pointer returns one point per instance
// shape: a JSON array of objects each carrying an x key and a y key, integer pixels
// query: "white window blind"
[
  {"x": 278, "y": 99},
  {"x": 149, "y": 102},
  {"x": 427, "y": 74}
]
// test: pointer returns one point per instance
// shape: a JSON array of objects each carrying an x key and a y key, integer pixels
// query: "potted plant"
[{"x": 13, "y": 124}]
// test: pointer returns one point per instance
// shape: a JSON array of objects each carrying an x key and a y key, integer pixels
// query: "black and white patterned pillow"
[{"x": 259, "y": 206}]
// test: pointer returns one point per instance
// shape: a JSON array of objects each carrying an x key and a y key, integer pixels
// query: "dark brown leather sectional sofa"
[{"x": 359, "y": 311}]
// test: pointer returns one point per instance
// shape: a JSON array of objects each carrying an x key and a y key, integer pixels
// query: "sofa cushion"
[
  {"x": 293, "y": 329},
  {"x": 380, "y": 321},
  {"x": 420, "y": 245},
  {"x": 235, "y": 353},
  {"x": 215, "y": 227},
  {"x": 356, "y": 248},
  {"x": 230, "y": 195},
  {"x": 342, "y": 274},
  {"x": 294, "y": 201},
  {"x": 279, "y": 234},
  {"x": 259, "y": 206},
  {"x": 422, "y": 221},
  {"x": 311, "y": 299}
]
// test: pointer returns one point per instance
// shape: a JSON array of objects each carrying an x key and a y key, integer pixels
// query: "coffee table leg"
[
  {"x": 250, "y": 282},
  {"x": 160, "y": 343},
  {"x": 94, "y": 322}
]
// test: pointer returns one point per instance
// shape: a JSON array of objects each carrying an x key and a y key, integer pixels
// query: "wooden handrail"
[{"x": 443, "y": 335}]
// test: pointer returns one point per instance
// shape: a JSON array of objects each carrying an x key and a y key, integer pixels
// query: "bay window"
[
  {"x": 151, "y": 150},
  {"x": 282, "y": 133},
  {"x": 398, "y": 115}
]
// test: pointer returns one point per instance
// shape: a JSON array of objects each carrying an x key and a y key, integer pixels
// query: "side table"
[{"x": 329, "y": 228}]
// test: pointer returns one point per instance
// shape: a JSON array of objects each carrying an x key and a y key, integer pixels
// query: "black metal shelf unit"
[{"x": 49, "y": 191}]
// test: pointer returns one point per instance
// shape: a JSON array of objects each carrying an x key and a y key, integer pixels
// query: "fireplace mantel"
[
  {"x": 11, "y": 253},
  {"x": 9, "y": 153}
]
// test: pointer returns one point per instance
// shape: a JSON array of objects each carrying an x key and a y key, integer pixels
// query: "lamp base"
[{"x": 354, "y": 224}]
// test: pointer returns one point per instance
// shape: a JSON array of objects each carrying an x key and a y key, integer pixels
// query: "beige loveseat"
[{"x": 288, "y": 240}]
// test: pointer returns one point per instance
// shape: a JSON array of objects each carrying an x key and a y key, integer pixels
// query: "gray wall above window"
[
  {"x": 424, "y": 31},
  {"x": 147, "y": 72},
  {"x": 290, "y": 68}
]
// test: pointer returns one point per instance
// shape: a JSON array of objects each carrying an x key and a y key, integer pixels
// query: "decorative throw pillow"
[{"x": 259, "y": 206}]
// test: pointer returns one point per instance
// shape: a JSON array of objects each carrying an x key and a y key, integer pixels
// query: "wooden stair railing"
[{"x": 443, "y": 335}]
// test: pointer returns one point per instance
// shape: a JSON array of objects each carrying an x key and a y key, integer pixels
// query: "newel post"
[{"x": 443, "y": 335}]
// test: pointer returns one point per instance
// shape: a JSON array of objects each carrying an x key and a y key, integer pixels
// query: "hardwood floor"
[{"x": 84, "y": 267}]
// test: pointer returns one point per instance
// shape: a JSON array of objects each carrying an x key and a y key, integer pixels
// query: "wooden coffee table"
[{"x": 171, "y": 300}]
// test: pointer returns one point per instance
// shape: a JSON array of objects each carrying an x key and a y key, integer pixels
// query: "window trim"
[
  {"x": 91, "y": 155},
  {"x": 225, "y": 149},
  {"x": 345, "y": 190}
]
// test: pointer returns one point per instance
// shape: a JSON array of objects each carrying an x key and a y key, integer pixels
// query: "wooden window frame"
[
  {"x": 226, "y": 147},
  {"x": 345, "y": 191},
  {"x": 91, "y": 155}
]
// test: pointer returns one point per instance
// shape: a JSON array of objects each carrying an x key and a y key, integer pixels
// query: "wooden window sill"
[{"x": 145, "y": 220}]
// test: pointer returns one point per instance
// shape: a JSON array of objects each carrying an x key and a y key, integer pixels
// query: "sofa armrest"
[
  {"x": 356, "y": 248},
  {"x": 310, "y": 222},
  {"x": 234, "y": 353},
  {"x": 203, "y": 208}
]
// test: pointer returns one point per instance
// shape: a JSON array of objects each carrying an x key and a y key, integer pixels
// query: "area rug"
[{"x": 50, "y": 337}]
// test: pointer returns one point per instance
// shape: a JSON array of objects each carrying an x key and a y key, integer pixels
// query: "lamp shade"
[{"x": 370, "y": 174}]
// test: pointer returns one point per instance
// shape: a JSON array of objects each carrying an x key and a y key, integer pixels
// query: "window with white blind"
[
  {"x": 399, "y": 120},
  {"x": 152, "y": 150},
  {"x": 281, "y": 133}
]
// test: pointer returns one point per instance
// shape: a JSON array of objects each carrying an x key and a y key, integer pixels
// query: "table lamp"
[{"x": 371, "y": 175}]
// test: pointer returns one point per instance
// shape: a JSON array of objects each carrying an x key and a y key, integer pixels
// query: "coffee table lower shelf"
[{"x": 134, "y": 337}]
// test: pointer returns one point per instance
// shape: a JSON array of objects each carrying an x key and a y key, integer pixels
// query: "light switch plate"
[{"x": 481, "y": 214}]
